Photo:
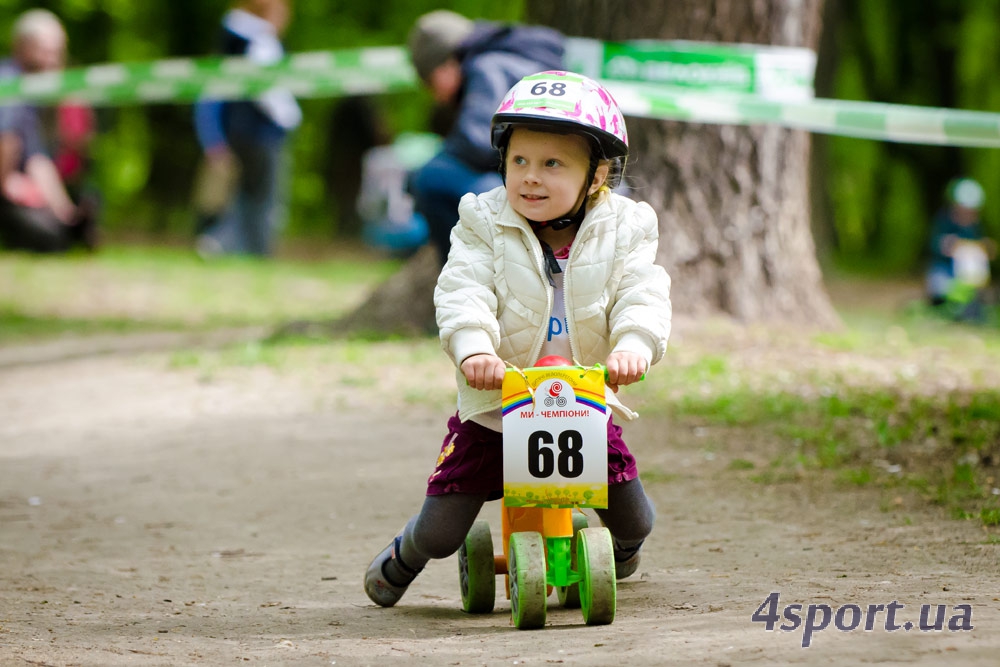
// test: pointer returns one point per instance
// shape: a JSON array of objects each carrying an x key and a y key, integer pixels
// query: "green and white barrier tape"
[
  {"x": 774, "y": 87},
  {"x": 310, "y": 74},
  {"x": 869, "y": 120}
]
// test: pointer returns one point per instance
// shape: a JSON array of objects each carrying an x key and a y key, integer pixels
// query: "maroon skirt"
[{"x": 471, "y": 460}]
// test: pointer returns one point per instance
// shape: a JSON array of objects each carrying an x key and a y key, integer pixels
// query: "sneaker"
[
  {"x": 627, "y": 560},
  {"x": 382, "y": 590}
]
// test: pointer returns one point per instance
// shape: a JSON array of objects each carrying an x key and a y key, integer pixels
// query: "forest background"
[{"x": 872, "y": 200}]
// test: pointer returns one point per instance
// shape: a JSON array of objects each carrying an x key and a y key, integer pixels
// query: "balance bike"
[{"x": 555, "y": 459}]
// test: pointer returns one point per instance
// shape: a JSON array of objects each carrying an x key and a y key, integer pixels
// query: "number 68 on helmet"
[{"x": 565, "y": 102}]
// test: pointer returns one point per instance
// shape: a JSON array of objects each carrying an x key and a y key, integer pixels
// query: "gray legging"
[{"x": 444, "y": 521}]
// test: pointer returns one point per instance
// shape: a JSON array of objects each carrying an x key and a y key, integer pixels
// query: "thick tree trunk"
[{"x": 733, "y": 200}]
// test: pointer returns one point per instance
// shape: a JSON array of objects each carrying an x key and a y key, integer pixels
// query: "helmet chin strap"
[
  {"x": 551, "y": 263},
  {"x": 564, "y": 221}
]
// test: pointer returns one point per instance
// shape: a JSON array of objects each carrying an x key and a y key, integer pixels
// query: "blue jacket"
[{"x": 495, "y": 57}]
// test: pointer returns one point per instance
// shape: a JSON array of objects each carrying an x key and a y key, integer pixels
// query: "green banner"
[{"x": 768, "y": 71}]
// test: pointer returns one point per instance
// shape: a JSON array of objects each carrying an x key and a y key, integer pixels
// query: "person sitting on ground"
[
  {"x": 959, "y": 264},
  {"x": 469, "y": 66},
  {"x": 36, "y": 211}
]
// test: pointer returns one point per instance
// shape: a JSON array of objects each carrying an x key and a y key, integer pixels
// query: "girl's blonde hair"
[{"x": 602, "y": 191}]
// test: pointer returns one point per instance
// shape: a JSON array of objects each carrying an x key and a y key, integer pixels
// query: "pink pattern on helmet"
[{"x": 586, "y": 102}]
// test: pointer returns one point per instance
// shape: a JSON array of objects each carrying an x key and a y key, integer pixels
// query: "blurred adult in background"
[
  {"x": 469, "y": 66},
  {"x": 37, "y": 212},
  {"x": 240, "y": 206},
  {"x": 959, "y": 268}
]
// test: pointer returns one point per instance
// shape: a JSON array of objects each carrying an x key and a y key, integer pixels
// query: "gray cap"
[{"x": 434, "y": 38}]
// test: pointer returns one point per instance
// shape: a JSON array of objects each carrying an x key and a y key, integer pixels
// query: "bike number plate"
[{"x": 555, "y": 438}]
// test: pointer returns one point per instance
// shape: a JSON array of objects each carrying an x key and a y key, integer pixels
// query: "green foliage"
[
  {"x": 936, "y": 53},
  {"x": 899, "y": 245}
]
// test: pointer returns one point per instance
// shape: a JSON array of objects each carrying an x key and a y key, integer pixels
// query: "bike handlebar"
[{"x": 598, "y": 366}]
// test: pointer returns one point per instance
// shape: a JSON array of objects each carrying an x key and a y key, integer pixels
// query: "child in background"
[
  {"x": 551, "y": 263},
  {"x": 959, "y": 270}
]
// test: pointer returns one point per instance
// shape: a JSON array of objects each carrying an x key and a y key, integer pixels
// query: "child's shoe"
[
  {"x": 383, "y": 589},
  {"x": 626, "y": 560}
]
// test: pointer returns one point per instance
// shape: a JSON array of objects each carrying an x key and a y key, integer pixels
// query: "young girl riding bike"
[{"x": 552, "y": 263}]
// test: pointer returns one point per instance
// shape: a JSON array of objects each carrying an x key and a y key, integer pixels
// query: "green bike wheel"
[
  {"x": 526, "y": 567},
  {"x": 476, "y": 570},
  {"x": 598, "y": 590},
  {"x": 569, "y": 596}
]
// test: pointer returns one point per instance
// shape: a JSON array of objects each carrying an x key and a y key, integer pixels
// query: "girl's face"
[{"x": 546, "y": 173}]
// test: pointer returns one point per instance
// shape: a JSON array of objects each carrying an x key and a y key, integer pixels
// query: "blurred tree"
[
  {"x": 733, "y": 201},
  {"x": 879, "y": 197}
]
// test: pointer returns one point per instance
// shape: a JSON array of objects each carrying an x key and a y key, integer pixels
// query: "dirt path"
[{"x": 154, "y": 516}]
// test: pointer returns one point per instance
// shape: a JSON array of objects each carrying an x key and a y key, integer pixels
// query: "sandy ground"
[{"x": 150, "y": 515}]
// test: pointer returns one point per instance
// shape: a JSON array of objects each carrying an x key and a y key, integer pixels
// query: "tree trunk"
[
  {"x": 733, "y": 201},
  {"x": 401, "y": 306}
]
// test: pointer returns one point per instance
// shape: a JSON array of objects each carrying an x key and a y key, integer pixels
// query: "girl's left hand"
[{"x": 624, "y": 368}]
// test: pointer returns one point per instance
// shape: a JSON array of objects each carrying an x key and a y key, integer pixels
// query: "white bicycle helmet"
[
  {"x": 965, "y": 192},
  {"x": 565, "y": 101}
]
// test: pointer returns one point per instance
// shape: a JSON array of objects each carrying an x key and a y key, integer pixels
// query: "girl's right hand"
[
  {"x": 624, "y": 368},
  {"x": 484, "y": 371}
]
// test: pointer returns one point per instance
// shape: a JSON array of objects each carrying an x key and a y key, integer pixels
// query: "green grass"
[
  {"x": 990, "y": 516},
  {"x": 947, "y": 445},
  {"x": 741, "y": 464},
  {"x": 130, "y": 289}
]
